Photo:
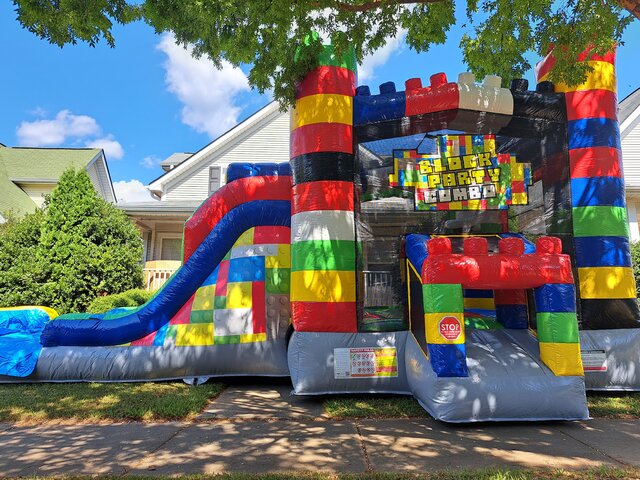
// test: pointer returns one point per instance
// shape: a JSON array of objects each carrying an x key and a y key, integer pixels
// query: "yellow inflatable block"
[
  {"x": 563, "y": 359},
  {"x": 606, "y": 282},
  {"x": 282, "y": 260},
  {"x": 49, "y": 311},
  {"x": 239, "y": 295},
  {"x": 444, "y": 336},
  {"x": 519, "y": 199},
  {"x": 194, "y": 334},
  {"x": 322, "y": 108},
  {"x": 245, "y": 239},
  {"x": 323, "y": 286},
  {"x": 253, "y": 337},
  {"x": 482, "y": 303},
  {"x": 603, "y": 77},
  {"x": 204, "y": 298}
]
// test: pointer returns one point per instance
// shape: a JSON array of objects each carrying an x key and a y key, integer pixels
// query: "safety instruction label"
[
  {"x": 365, "y": 362},
  {"x": 594, "y": 360}
]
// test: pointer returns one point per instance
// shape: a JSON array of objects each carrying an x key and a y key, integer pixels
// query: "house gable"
[
  {"x": 263, "y": 137},
  {"x": 630, "y": 139}
]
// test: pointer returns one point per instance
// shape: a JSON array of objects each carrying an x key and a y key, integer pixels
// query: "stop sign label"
[{"x": 450, "y": 328}]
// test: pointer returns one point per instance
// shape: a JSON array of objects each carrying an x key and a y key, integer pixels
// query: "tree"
[
  {"x": 77, "y": 248},
  {"x": 267, "y": 33}
]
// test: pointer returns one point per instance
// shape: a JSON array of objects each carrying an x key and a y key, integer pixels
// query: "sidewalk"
[{"x": 239, "y": 433}]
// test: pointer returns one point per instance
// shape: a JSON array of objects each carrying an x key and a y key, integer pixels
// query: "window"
[
  {"x": 215, "y": 174},
  {"x": 171, "y": 249}
]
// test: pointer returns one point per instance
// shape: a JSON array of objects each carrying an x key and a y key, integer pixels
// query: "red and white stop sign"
[{"x": 450, "y": 328}]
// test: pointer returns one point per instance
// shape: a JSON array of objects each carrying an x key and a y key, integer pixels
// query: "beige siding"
[
  {"x": 37, "y": 191},
  {"x": 267, "y": 142},
  {"x": 631, "y": 156}
]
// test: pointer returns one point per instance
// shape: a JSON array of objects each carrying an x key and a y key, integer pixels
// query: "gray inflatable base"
[
  {"x": 507, "y": 381},
  {"x": 311, "y": 363},
  {"x": 129, "y": 364},
  {"x": 622, "y": 352}
]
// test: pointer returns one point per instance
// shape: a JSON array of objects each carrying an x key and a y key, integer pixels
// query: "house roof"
[
  {"x": 629, "y": 112},
  {"x": 174, "y": 159},
  {"x": 36, "y": 165},
  {"x": 219, "y": 143}
]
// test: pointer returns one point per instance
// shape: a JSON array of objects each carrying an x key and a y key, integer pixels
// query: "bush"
[
  {"x": 131, "y": 298},
  {"x": 77, "y": 248},
  {"x": 635, "y": 261}
]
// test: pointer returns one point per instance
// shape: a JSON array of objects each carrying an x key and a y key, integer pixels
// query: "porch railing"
[
  {"x": 157, "y": 272},
  {"x": 378, "y": 288}
]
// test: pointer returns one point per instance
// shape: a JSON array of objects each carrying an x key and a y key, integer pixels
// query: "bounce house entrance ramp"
[{"x": 462, "y": 374}]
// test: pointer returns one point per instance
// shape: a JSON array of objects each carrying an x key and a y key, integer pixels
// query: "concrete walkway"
[{"x": 232, "y": 435}]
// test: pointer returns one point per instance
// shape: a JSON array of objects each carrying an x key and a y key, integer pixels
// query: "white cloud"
[
  {"x": 112, "y": 148},
  {"x": 53, "y": 132},
  {"x": 207, "y": 94},
  {"x": 132, "y": 191},
  {"x": 150, "y": 161},
  {"x": 380, "y": 57}
]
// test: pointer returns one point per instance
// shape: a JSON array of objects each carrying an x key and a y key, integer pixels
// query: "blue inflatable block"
[
  {"x": 470, "y": 293},
  {"x": 481, "y": 311},
  {"x": 239, "y": 170},
  {"x": 158, "y": 340},
  {"x": 416, "y": 250},
  {"x": 246, "y": 269},
  {"x": 602, "y": 252},
  {"x": 513, "y": 316},
  {"x": 593, "y": 132},
  {"x": 213, "y": 278},
  {"x": 555, "y": 298},
  {"x": 448, "y": 360},
  {"x": 378, "y": 108},
  {"x": 176, "y": 292},
  {"x": 597, "y": 191}
]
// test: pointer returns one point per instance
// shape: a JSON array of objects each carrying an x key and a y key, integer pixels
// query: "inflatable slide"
[{"x": 460, "y": 242}]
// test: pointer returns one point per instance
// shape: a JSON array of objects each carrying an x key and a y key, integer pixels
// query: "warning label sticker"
[
  {"x": 594, "y": 360},
  {"x": 450, "y": 328},
  {"x": 365, "y": 362}
]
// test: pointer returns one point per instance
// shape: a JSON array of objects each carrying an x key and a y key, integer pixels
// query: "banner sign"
[{"x": 467, "y": 174}]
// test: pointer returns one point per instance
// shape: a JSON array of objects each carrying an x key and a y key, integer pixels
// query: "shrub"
[
  {"x": 79, "y": 247},
  {"x": 635, "y": 261},
  {"x": 130, "y": 298}
]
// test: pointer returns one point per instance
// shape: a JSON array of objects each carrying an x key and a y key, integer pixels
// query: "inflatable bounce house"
[{"x": 461, "y": 242}]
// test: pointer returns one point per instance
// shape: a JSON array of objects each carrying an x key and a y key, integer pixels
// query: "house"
[
  {"x": 28, "y": 174},
  {"x": 188, "y": 179},
  {"x": 629, "y": 118}
]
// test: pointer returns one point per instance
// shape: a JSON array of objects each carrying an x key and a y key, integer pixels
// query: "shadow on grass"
[{"x": 160, "y": 401}]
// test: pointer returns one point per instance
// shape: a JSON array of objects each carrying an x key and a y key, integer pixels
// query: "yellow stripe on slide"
[
  {"x": 563, "y": 359},
  {"x": 49, "y": 311},
  {"x": 603, "y": 77},
  {"x": 323, "y": 108},
  {"x": 323, "y": 286},
  {"x": 606, "y": 282}
]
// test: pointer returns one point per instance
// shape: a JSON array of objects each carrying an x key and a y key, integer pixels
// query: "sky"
[{"x": 148, "y": 98}]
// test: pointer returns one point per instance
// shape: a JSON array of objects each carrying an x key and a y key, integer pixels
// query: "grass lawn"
[
  {"x": 602, "y": 473},
  {"x": 614, "y": 405},
  {"x": 370, "y": 406},
  {"x": 35, "y": 403},
  {"x": 602, "y": 405}
]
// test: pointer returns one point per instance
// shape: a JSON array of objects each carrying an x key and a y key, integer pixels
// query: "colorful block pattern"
[
  {"x": 323, "y": 246},
  {"x": 241, "y": 296},
  {"x": 444, "y": 328},
  {"x": 466, "y": 174},
  {"x": 605, "y": 277}
]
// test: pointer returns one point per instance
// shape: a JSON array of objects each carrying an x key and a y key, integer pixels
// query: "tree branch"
[
  {"x": 632, "y": 6},
  {"x": 373, "y": 4}
]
